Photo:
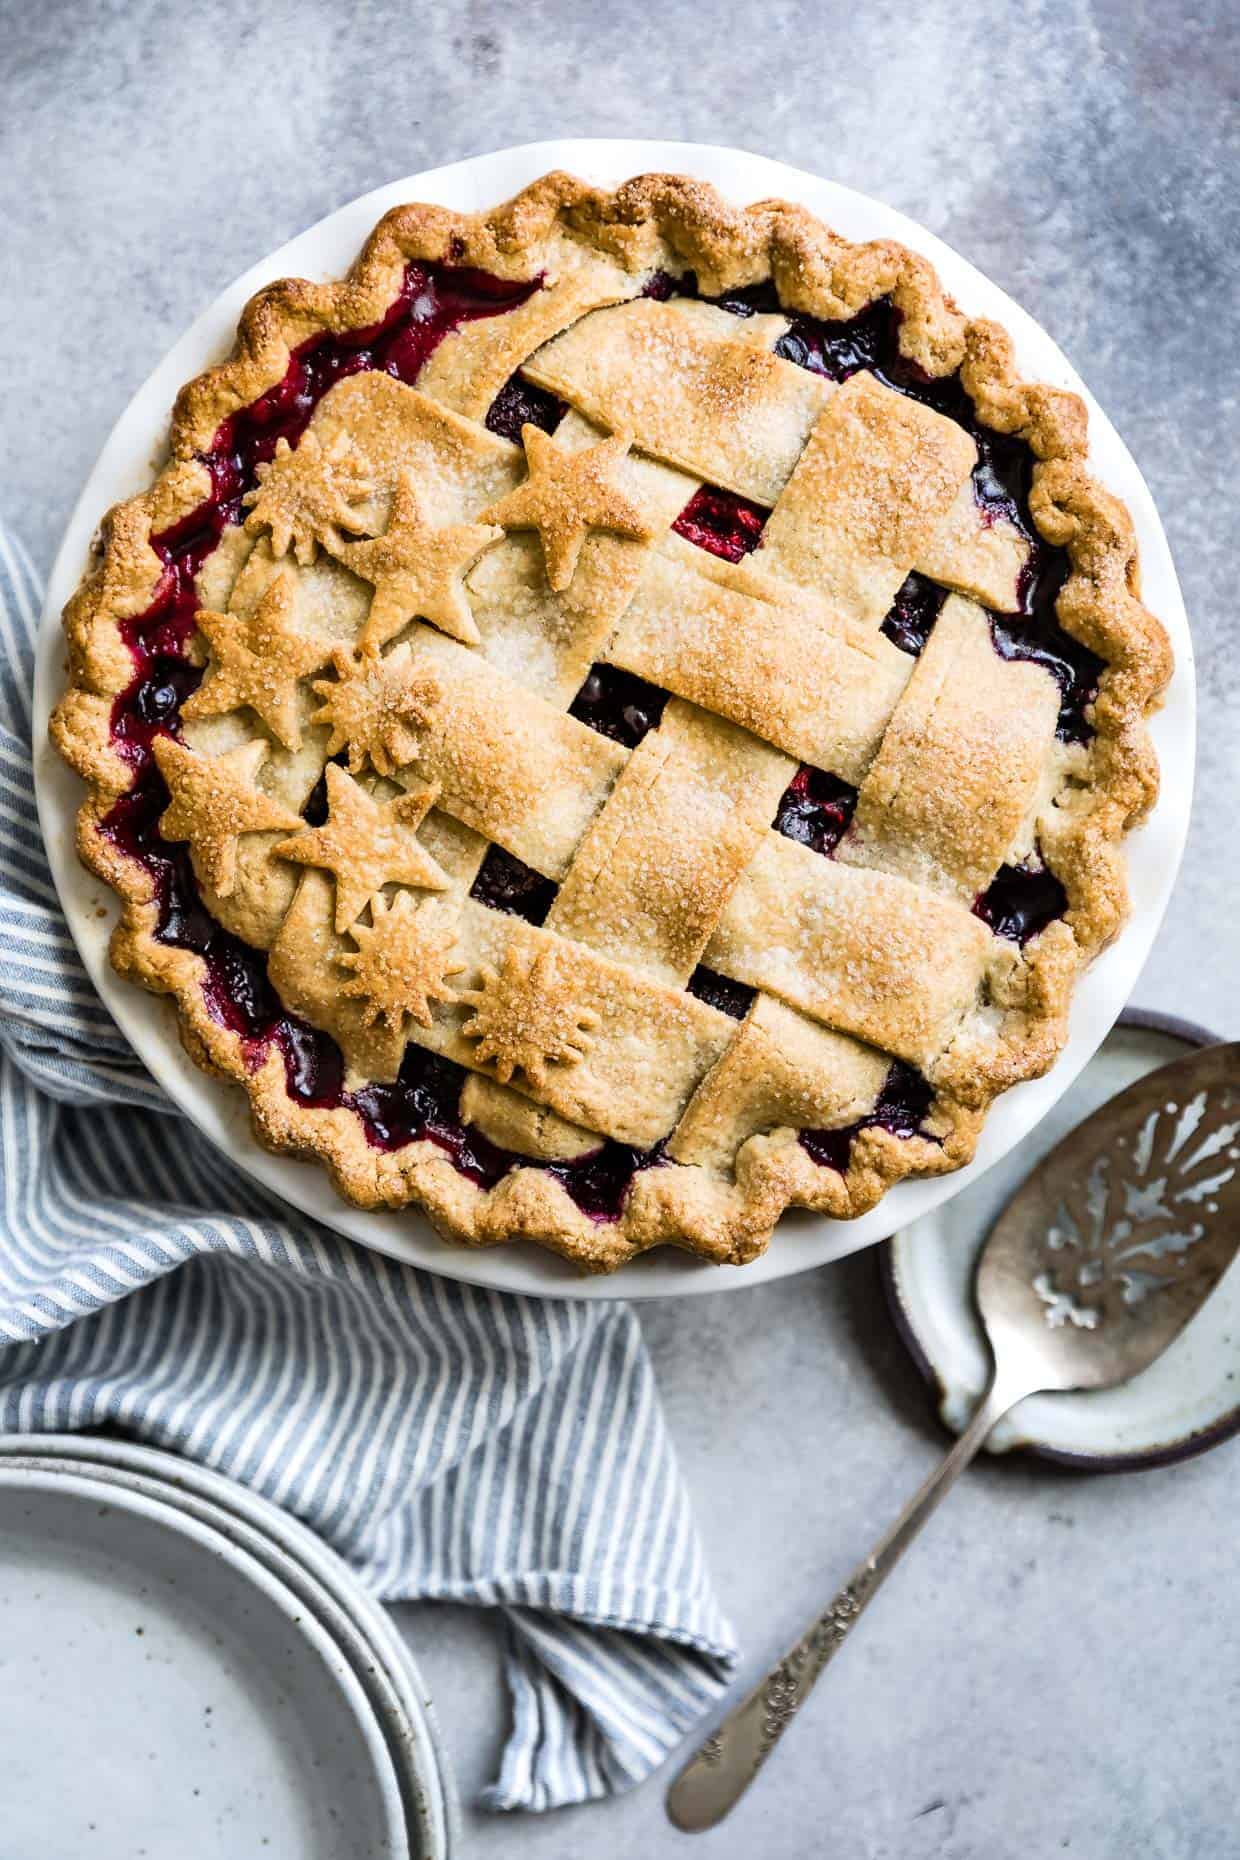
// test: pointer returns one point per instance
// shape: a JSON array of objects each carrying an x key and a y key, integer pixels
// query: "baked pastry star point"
[
  {"x": 366, "y": 844},
  {"x": 257, "y": 661},
  {"x": 416, "y": 570},
  {"x": 214, "y": 800},
  {"x": 566, "y": 495}
]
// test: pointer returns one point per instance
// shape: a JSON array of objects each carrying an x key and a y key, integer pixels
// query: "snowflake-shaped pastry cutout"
[
  {"x": 305, "y": 497},
  {"x": 374, "y": 705},
  {"x": 524, "y": 1019},
  {"x": 401, "y": 963}
]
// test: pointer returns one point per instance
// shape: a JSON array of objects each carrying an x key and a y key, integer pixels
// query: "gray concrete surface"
[{"x": 1059, "y": 1669}]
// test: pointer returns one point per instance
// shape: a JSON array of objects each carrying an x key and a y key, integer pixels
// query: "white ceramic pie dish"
[
  {"x": 360, "y": 1632},
  {"x": 164, "y": 1690},
  {"x": 802, "y": 1240}
]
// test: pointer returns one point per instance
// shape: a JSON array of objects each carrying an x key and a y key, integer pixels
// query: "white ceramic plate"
[
  {"x": 1185, "y": 1402},
  {"x": 803, "y": 1239},
  {"x": 163, "y": 1692},
  {"x": 356, "y": 1623}
]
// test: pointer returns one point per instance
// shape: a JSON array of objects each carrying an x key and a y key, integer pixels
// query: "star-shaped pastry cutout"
[
  {"x": 415, "y": 569},
  {"x": 256, "y": 663},
  {"x": 215, "y": 801},
  {"x": 367, "y": 844},
  {"x": 373, "y": 706},
  {"x": 523, "y": 1019},
  {"x": 303, "y": 497},
  {"x": 566, "y": 495},
  {"x": 400, "y": 964}
]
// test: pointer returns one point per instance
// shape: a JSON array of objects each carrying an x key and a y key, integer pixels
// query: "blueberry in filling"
[
  {"x": 507, "y": 885},
  {"x": 816, "y": 810},
  {"x": 900, "y": 1108},
  {"x": 519, "y": 403},
  {"x": 913, "y": 613},
  {"x": 1021, "y": 900},
  {"x": 618, "y": 704},
  {"x": 838, "y": 350}
]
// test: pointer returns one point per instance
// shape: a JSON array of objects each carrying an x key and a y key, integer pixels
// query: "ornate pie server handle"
[{"x": 714, "y": 1780}]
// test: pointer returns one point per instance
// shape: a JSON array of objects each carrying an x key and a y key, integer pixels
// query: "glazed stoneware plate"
[
  {"x": 362, "y": 1630},
  {"x": 802, "y": 1240},
  {"x": 165, "y": 1693},
  {"x": 1185, "y": 1402}
]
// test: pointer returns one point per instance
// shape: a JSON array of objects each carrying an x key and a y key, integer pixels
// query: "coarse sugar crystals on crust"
[{"x": 619, "y": 716}]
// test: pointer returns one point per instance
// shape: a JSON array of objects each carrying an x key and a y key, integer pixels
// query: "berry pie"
[{"x": 618, "y": 717}]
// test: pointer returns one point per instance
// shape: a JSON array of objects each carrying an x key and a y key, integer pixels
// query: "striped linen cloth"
[{"x": 452, "y": 1443}]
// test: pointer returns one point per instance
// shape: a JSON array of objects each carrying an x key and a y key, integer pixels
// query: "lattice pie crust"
[{"x": 617, "y": 717}]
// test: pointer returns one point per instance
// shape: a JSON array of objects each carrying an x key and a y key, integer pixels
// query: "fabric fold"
[{"x": 452, "y": 1443}]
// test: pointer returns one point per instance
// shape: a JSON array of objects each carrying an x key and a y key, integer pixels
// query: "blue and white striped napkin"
[{"x": 452, "y": 1443}]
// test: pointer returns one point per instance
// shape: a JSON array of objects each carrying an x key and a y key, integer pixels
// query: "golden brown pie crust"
[{"x": 751, "y": 1095}]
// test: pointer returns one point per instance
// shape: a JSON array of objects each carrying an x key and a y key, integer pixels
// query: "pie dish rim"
[{"x": 644, "y": 156}]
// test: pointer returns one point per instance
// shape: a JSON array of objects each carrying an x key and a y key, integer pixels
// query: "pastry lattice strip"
[{"x": 667, "y": 856}]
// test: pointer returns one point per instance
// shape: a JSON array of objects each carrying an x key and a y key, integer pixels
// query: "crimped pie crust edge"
[{"x": 651, "y": 222}]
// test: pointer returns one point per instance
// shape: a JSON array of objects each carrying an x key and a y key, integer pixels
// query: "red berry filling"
[
  {"x": 722, "y": 522},
  {"x": 816, "y": 809}
]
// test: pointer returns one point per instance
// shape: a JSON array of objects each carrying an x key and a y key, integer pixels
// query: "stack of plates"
[{"x": 186, "y": 1669}]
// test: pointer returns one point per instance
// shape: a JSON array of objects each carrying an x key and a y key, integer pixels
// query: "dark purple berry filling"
[
  {"x": 900, "y": 1107},
  {"x": 1035, "y": 635},
  {"x": 424, "y": 1101},
  {"x": 816, "y": 809},
  {"x": 750, "y": 300},
  {"x": 507, "y": 885},
  {"x": 314, "y": 813},
  {"x": 718, "y": 991},
  {"x": 618, "y": 704},
  {"x": 1002, "y": 479},
  {"x": 722, "y": 522},
  {"x": 152, "y": 705},
  {"x": 599, "y": 1183},
  {"x": 913, "y": 613},
  {"x": 519, "y": 403},
  {"x": 838, "y": 350},
  {"x": 1021, "y": 900}
]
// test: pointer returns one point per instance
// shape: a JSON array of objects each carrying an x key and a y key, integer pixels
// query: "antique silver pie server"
[{"x": 1096, "y": 1264}]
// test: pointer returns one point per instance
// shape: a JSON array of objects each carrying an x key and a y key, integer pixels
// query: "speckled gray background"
[{"x": 1058, "y": 1669}]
